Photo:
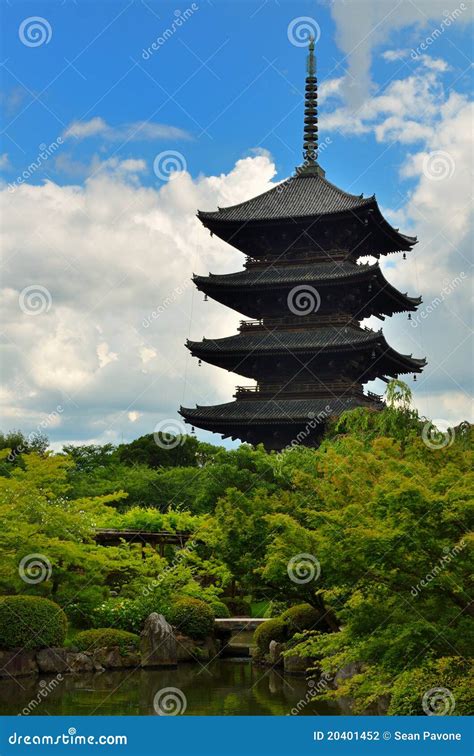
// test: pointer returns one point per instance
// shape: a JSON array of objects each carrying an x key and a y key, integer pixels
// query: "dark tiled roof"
[
  {"x": 316, "y": 338},
  {"x": 285, "y": 274},
  {"x": 273, "y": 410},
  {"x": 299, "y": 196}
]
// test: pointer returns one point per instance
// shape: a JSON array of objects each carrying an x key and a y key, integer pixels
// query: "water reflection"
[{"x": 226, "y": 687}]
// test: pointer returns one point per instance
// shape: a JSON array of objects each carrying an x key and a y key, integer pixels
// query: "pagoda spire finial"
[{"x": 310, "y": 142}]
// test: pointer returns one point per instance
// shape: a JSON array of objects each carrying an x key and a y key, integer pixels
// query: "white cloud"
[
  {"x": 364, "y": 25},
  {"x": 393, "y": 55},
  {"x": 4, "y": 161},
  {"x": 111, "y": 252},
  {"x": 137, "y": 131}
]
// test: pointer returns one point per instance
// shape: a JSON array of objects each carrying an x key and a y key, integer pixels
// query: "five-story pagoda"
[{"x": 306, "y": 294}]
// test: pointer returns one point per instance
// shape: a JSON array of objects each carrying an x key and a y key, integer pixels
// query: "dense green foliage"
[
  {"x": 192, "y": 617},
  {"x": 105, "y": 637},
  {"x": 31, "y": 622},
  {"x": 453, "y": 674},
  {"x": 385, "y": 518}
]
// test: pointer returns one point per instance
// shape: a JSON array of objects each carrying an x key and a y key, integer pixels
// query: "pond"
[{"x": 223, "y": 687}]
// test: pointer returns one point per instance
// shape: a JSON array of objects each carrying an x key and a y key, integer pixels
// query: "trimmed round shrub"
[
  {"x": 220, "y": 609},
  {"x": 31, "y": 622},
  {"x": 273, "y": 629},
  {"x": 301, "y": 617},
  {"x": 192, "y": 617},
  {"x": 105, "y": 637}
]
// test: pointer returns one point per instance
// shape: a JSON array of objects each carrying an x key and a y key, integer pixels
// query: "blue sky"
[
  {"x": 225, "y": 85},
  {"x": 228, "y": 77}
]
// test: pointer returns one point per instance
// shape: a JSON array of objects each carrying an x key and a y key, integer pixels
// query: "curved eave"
[
  {"x": 221, "y": 284},
  {"x": 231, "y": 281},
  {"x": 402, "y": 242},
  {"x": 403, "y": 363},
  {"x": 227, "y": 228},
  {"x": 271, "y": 412},
  {"x": 243, "y": 345},
  {"x": 404, "y": 302}
]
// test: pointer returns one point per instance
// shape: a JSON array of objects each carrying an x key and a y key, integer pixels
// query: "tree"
[{"x": 160, "y": 450}]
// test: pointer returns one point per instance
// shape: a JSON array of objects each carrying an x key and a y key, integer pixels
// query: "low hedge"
[
  {"x": 301, "y": 617},
  {"x": 105, "y": 637},
  {"x": 273, "y": 629},
  {"x": 192, "y": 617},
  {"x": 31, "y": 622}
]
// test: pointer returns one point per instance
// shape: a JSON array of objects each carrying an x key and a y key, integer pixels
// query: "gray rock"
[
  {"x": 16, "y": 662},
  {"x": 296, "y": 664},
  {"x": 52, "y": 660},
  {"x": 188, "y": 649},
  {"x": 158, "y": 643},
  {"x": 274, "y": 652},
  {"x": 113, "y": 657},
  {"x": 79, "y": 662},
  {"x": 345, "y": 673}
]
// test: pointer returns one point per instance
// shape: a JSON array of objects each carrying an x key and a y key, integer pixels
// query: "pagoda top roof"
[
  {"x": 307, "y": 193},
  {"x": 273, "y": 411}
]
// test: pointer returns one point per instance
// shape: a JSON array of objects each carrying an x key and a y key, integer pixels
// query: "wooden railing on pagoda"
[
  {"x": 309, "y": 256},
  {"x": 297, "y": 322},
  {"x": 304, "y": 390}
]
